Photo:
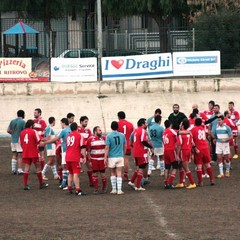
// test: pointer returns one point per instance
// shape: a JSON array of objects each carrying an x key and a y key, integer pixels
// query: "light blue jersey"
[
  {"x": 214, "y": 123},
  {"x": 222, "y": 132},
  {"x": 150, "y": 122},
  {"x": 16, "y": 126},
  {"x": 116, "y": 142},
  {"x": 49, "y": 133},
  {"x": 63, "y": 136},
  {"x": 156, "y": 133}
]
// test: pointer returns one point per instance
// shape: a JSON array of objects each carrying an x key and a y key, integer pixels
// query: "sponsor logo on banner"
[
  {"x": 73, "y": 70},
  {"x": 137, "y": 67},
  {"x": 21, "y": 70},
  {"x": 196, "y": 63}
]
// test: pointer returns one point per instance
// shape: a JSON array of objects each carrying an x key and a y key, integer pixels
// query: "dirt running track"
[{"x": 209, "y": 212}]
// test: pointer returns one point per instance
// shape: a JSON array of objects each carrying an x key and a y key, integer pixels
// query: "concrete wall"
[{"x": 101, "y": 101}]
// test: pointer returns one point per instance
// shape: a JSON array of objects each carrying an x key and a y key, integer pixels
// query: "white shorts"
[
  {"x": 63, "y": 158},
  {"x": 16, "y": 147},
  {"x": 115, "y": 162},
  {"x": 158, "y": 151},
  {"x": 51, "y": 152},
  {"x": 222, "y": 148}
]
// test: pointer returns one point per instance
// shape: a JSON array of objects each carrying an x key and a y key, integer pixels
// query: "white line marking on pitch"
[{"x": 161, "y": 220}]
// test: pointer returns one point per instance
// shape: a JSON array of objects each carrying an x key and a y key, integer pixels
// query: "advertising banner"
[
  {"x": 22, "y": 70},
  {"x": 73, "y": 69},
  {"x": 196, "y": 63},
  {"x": 137, "y": 67}
]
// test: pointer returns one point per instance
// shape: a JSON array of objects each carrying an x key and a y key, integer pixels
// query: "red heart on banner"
[{"x": 117, "y": 64}]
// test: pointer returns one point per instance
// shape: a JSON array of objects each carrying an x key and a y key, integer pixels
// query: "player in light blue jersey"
[
  {"x": 222, "y": 135},
  {"x": 151, "y": 120},
  {"x": 156, "y": 133},
  {"x": 114, "y": 157},
  {"x": 14, "y": 128},
  {"x": 62, "y": 135},
  {"x": 50, "y": 149}
]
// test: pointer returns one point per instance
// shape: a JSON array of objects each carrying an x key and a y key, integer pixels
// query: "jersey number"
[
  {"x": 117, "y": 140},
  {"x": 153, "y": 133},
  {"x": 201, "y": 135},
  {"x": 165, "y": 139},
  {"x": 26, "y": 139},
  {"x": 124, "y": 129},
  {"x": 70, "y": 141}
]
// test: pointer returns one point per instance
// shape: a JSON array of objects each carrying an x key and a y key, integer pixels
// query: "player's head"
[
  {"x": 167, "y": 123},
  {"x": 231, "y": 105},
  {"x": 220, "y": 120},
  {"x": 195, "y": 111},
  {"x": 97, "y": 131},
  {"x": 70, "y": 117},
  {"x": 29, "y": 123},
  {"x": 194, "y": 106},
  {"x": 51, "y": 120},
  {"x": 121, "y": 115},
  {"x": 185, "y": 124},
  {"x": 198, "y": 121},
  {"x": 84, "y": 121},
  {"x": 142, "y": 123},
  {"x": 211, "y": 104},
  {"x": 37, "y": 112},
  {"x": 64, "y": 122},
  {"x": 226, "y": 114},
  {"x": 176, "y": 108},
  {"x": 21, "y": 113},
  {"x": 157, "y": 119},
  {"x": 216, "y": 108},
  {"x": 73, "y": 126},
  {"x": 157, "y": 112},
  {"x": 114, "y": 125}
]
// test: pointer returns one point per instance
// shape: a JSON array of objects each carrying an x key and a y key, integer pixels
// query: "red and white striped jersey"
[{"x": 96, "y": 147}]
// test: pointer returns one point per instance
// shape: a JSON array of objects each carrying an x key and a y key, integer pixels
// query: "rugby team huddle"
[{"x": 205, "y": 138}]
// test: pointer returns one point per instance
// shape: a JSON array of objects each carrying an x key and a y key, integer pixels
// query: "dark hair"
[
  {"x": 74, "y": 126},
  {"x": 141, "y": 121},
  {"x": 185, "y": 123},
  {"x": 121, "y": 115},
  {"x": 114, "y": 125},
  {"x": 20, "y": 113},
  {"x": 29, "y": 123},
  {"x": 216, "y": 105},
  {"x": 95, "y": 129},
  {"x": 83, "y": 118},
  {"x": 51, "y": 120},
  {"x": 226, "y": 113},
  {"x": 231, "y": 103},
  {"x": 38, "y": 110},
  {"x": 211, "y": 102},
  {"x": 69, "y": 115},
  {"x": 65, "y": 121},
  {"x": 167, "y": 123},
  {"x": 175, "y": 104},
  {"x": 157, "y": 119},
  {"x": 158, "y": 110},
  {"x": 198, "y": 121},
  {"x": 221, "y": 116}
]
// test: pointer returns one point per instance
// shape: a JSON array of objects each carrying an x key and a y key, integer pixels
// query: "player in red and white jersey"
[
  {"x": 39, "y": 126},
  {"x": 95, "y": 151},
  {"x": 140, "y": 145},
  {"x": 234, "y": 115},
  {"x": 169, "y": 142},
  {"x": 86, "y": 133},
  {"x": 201, "y": 115},
  {"x": 29, "y": 140},
  {"x": 209, "y": 113},
  {"x": 126, "y": 128},
  {"x": 201, "y": 151},
  {"x": 75, "y": 149},
  {"x": 184, "y": 149}
]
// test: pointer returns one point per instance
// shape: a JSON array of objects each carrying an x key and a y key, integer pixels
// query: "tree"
[
  {"x": 162, "y": 11},
  {"x": 44, "y": 10}
]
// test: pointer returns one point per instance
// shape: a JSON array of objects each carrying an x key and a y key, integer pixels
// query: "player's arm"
[
  {"x": 9, "y": 129},
  {"x": 51, "y": 140},
  {"x": 211, "y": 120},
  {"x": 106, "y": 154}
]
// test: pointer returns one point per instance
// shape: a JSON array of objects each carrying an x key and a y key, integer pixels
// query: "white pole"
[
  {"x": 193, "y": 38},
  {"x": 99, "y": 39}
]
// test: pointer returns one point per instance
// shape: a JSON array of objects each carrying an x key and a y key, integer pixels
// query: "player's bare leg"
[
  {"x": 185, "y": 165},
  {"x": 126, "y": 168},
  {"x": 89, "y": 173}
]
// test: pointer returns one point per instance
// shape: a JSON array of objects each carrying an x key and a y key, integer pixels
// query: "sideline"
[{"x": 160, "y": 219}]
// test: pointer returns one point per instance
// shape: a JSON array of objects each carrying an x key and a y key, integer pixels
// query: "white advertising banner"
[
  {"x": 196, "y": 63},
  {"x": 73, "y": 69},
  {"x": 137, "y": 67},
  {"x": 15, "y": 69}
]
